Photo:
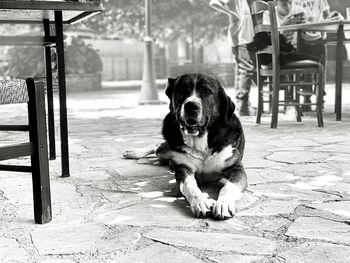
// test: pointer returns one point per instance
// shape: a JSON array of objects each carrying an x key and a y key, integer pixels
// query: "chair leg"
[
  {"x": 297, "y": 107},
  {"x": 296, "y": 97},
  {"x": 298, "y": 111},
  {"x": 319, "y": 98},
  {"x": 275, "y": 100},
  {"x": 50, "y": 106},
  {"x": 39, "y": 158},
  {"x": 270, "y": 94},
  {"x": 260, "y": 99}
]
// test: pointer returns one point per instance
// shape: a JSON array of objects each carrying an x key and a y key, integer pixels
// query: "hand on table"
[
  {"x": 294, "y": 19},
  {"x": 335, "y": 15}
]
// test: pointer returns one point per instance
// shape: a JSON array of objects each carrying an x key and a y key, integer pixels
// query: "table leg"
[
  {"x": 339, "y": 72},
  {"x": 62, "y": 94},
  {"x": 50, "y": 107}
]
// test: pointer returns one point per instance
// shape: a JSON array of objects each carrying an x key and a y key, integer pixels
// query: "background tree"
[{"x": 170, "y": 20}]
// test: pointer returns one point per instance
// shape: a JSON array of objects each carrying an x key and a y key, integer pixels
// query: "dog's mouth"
[{"x": 192, "y": 127}]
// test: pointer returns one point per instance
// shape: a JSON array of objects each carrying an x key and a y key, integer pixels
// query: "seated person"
[
  {"x": 315, "y": 11},
  {"x": 286, "y": 14}
]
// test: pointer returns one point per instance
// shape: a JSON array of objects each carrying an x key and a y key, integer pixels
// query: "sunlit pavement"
[{"x": 297, "y": 208}]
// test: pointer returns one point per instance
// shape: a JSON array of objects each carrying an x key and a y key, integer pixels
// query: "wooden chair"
[
  {"x": 286, "y": 77},
  {"x": 20, "y": 91}
]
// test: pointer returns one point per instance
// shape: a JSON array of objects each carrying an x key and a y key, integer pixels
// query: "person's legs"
[
  {"x": 319, "y": 51},
  {"x": 244, "y": 75}
]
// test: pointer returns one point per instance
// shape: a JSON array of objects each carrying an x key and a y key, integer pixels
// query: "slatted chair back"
[{"x": 20, "y": 91}]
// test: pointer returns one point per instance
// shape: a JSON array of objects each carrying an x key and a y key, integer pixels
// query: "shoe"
[
  {"x": 244, "y": 109},
  {"x": 306, "y": 108}
]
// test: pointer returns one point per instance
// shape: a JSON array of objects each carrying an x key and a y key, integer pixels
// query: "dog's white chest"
[
  {"x": 206, "y": 162},
  {"x": 197, "y": 144}
]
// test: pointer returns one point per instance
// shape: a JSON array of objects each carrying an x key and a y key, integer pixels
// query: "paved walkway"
[{"x": 297, "y": 208}]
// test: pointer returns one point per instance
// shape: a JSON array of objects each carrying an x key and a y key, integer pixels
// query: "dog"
[{"x": 204, "y": 141}]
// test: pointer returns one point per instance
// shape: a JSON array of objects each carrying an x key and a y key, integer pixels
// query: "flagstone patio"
[{"x": 297, "y": 207}]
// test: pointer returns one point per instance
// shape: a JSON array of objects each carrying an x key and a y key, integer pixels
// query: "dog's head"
[{"x": 198, "y": 101}]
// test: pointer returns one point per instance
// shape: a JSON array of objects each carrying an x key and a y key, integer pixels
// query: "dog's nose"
[{"x": 191, "y": 107}]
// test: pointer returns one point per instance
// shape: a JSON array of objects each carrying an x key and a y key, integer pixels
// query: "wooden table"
[
  {"x": 337, "y": 27},
  {"x": 46, "y": 13}
]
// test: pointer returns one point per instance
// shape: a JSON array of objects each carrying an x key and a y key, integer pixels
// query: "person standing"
[{"x": 240, "y": 33}]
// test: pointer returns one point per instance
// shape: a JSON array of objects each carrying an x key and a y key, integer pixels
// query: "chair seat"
[
  {"x": 13, "y": 91},
  {"x": 301, "y": 64},
  {"x": 295, "y": 65}
]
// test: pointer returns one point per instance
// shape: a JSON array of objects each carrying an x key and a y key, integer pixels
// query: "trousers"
[{"x": 245, "y": 72}]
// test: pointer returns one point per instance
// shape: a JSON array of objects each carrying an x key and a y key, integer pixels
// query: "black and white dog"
[{"x": 204, "y": 141}]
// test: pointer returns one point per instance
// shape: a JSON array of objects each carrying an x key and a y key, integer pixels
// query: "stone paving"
[{"x": 297, "y": 208}]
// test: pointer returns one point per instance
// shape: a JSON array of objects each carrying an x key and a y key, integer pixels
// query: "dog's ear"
[
  {"x": 170, "y": 87},
  {"x": 227, "y": 107}
]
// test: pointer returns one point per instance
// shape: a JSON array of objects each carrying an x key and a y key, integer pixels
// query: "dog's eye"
[{"x": 207, "y": 91}]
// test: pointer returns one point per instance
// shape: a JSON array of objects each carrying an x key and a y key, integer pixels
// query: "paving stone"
[
  {"x": 332, "y": 186},
  {"x": 11, "y": 250},
  {"x": 74, "y": 207},
  {"x": 337, "y": 148},
  {"x": 271, "y": 207},
  {"x": 342, "y": 157},
  {"x": 259, "y": 163},
  {"x": 92, "y": 176},
  {"x": 116, "y": 201},
  {"x": 158, "y": 253},
  {"x": 292, "y": 157},
  {"x": 67, "y": 239},
  {"x": 292, "y": 191},
  {"x": 314, "y": 169},
  {"x": 148, "y": 213},
  {"x": 345, "y": 172},
  {"x": 332, "y": 139},
  {"x": 18, "y": 189},
  {"x": 321, "y": 229},
  {"x": 317, "y": 252},
  {"x": 263, "y": 176},
  {"x": 292, "y": 142},
  {"x": 57, "y": 260},
  {"x": 234, "y": 258},
  {"x": 337, "y": 208},
  {"x": 169, "y": 212},
  {"x": 214, "y": 241},
  {"x": 272, "y": 224}
]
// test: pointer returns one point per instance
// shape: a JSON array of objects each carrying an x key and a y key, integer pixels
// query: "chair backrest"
[
  {"x": 13, "y": 91},
  {"x": 270, "y": 31},
  {"x": 257, "y": 9}
]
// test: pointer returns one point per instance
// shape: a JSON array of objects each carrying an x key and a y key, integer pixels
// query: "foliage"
[
  {"x": 81, "y": 58},
  {"x": 170, "y": 19},
  {"x": 25, "y": 62},
  {"x": 29, "y": 61}
]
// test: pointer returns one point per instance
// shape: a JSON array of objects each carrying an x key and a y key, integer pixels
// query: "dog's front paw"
[
  {"x": 224, "y": 208},
  {"x": 201, "y": 206}
]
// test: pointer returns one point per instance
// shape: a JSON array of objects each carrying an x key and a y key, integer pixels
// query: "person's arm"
[
  {"x": 327, "y": 14},
  {"x": 223, "y": 7}
]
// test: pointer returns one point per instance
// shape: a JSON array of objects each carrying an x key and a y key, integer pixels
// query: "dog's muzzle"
[{"x": 192, "y": 117}]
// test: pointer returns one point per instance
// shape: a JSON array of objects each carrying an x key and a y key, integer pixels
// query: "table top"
[
  {"x": 36, "y": 11},
  {"x": 324, "y": 26}
]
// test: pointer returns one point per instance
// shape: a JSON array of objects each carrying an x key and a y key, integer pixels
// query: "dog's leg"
[
  {"x": 200, "y": 204},
  {"x": 139, "y": 153},
  {"x": 225, "y": 206}
]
